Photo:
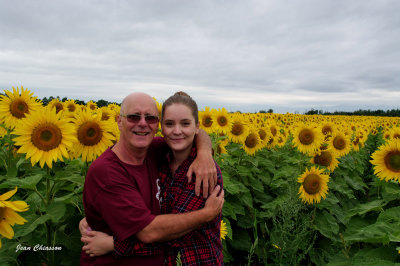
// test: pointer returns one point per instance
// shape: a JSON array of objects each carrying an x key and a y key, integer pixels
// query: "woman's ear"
[{"x": 197, "y": 127}]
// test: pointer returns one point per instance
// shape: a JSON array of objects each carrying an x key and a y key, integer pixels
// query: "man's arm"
[
  {"x": 162, "y": 228},
  {"x": 203, "y": 166},
  {"x": 170, "y": 226}
]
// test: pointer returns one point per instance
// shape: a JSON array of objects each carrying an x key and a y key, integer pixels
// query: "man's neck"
[{"x": 129, "y": 156}]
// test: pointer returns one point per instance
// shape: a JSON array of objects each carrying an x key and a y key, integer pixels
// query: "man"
[{"x": 120, "y": 193}]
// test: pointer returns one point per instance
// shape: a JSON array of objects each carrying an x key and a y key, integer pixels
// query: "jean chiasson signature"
[{"x": 37, "y": 247}]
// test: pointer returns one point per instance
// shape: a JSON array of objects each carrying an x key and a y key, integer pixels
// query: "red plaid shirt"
[
  {"x": 199, "y": 247},
  {"x": 203, "y": 245}
]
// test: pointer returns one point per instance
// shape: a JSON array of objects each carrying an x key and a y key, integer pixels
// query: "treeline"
[
  {"x": 360, "y": 112},
  {"x": 99, "y": 103}
]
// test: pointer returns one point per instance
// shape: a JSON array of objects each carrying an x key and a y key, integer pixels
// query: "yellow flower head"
[
  {"x": 340, "y": 143},
  {"x": 386, "y": 161},
  {"x": 307, "y": 139},
  {"x": 206, "y": 120},
  {"x": 15, "y": 106},
  {"x": 8, "y": 214},
  {"x": 223, "y": 230},
  {"x": 55, "y": 103},
  {"x": 314, "y": 185},
  {"x": 93, "y": 135},
  {"x": 44, "y": 136}
]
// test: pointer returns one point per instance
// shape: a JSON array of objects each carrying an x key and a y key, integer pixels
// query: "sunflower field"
[{"x": 299, "y": 189}]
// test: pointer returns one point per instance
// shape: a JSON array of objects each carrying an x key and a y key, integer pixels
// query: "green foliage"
[{"x": 357, "y": 224}]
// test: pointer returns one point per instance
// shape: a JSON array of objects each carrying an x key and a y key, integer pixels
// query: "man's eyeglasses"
[{"x": 135, "y": 118}]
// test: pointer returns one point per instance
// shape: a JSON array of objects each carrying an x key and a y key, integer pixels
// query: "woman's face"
[{"x": 179, "y": 127}]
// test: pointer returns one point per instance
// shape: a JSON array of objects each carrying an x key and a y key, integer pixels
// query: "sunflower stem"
[{"x": 49, "y": 230}]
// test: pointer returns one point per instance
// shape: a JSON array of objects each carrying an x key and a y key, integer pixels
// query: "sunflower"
[
  {"x": 340, "y": 143},
  {"x": 8, "y": 213},
  {"x": 264, "y": 135},
  {"x": 159, "y": 106},
  {"x": 239, "y": 130},
  {"x": 206, "y": 120},
  {"x": 326, "y": 158},
  {"x": 221, "y": 149},
  {"x": 314, "y": 185},
  {"x": 55, "y": 103},
  {"x": 281, "y": 140},
  {"x": 222, "y": 121},
  {"x": 15, "y": 106},
  {"x": 44, "y": 136},
  {"x": 395, "y": 133},
  {"x": 307, "y": 139},
  {"x": 92, "y": 134},
  {"x": 91, "y": 106},
  {"x": 386, "y": 161},
  {"x": 252, "y": 143},
  {"x": 327, "y": 129},
  {"x": 3, "y": 131},
  {"x": 70, "y": 106},
  {"x": 223, "y": 230}
]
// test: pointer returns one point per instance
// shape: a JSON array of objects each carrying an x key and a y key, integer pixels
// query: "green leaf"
[
  {"x": 376, "y": 205},
  {"x": 241, "y": 240},
  {"x": 247, "y": 199},
  {"x": 33, "y": 223},
  {"x": 26, "y": 182},
  {"x": 56, "y": 210},
  {"x": 326, "y": 224}
]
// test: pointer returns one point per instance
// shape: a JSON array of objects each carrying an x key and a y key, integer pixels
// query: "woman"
[{"x": 179, "y": 123}]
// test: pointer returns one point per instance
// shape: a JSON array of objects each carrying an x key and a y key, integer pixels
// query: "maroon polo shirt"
[{"x": 121, "y": 199}]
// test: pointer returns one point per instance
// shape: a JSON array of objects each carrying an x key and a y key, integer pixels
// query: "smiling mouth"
[{"x": 141, "y": 133}]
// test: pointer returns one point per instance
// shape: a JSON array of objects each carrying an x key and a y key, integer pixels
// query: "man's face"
[{"x": 138, "y": 134}]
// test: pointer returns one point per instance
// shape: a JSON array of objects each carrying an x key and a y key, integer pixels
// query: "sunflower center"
[
  {"x": 273, "y": 131},
  {"x": 324, "y": 159},
  {"x": 262, "y": 134},
  {"x": 222, "y": 121},
  {"x": 392, "y": 161},
  {"x": 71, "y": 107},
  {"x": 46, "y": 137},
  {"x": 105, "y": 116},
  {"x": 207, "y": 121},
  {"x": 251, "y": 141},
  {"x": 237, "y": 129},
  {"x": 306, "y": 136},
  {"x": 89, "y": 134},
  {"x": 312, "y": 184},
  {"x": 2, "y": 211},
  {"x": 339, "y": 143},
  {"x": 19, "y": 108},
  {"x": 356, "y": 141},
  {"x": 326, "y": 130},
  {"x": 58, "y": 107},
  {"x": 396, "y": 136}
]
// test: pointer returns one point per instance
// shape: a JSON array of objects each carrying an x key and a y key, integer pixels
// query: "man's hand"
[
  {"x": 97, "y": 243},
  {"x": 206, "y": 172},
  {"x": 215, "y": 202},
  {"x": 84, "y": 226}
]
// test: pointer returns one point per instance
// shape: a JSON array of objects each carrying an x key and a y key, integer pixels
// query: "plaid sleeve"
[{"x": 133, "y": 247}]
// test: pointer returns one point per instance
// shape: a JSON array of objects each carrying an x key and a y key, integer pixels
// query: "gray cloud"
[{"x": 292, "y": 56}]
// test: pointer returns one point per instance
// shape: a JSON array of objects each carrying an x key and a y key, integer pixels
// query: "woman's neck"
[{"x": 179, "y": 157}]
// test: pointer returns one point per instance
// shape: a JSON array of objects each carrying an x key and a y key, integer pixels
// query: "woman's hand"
[
  {"x": 97, "y": 243},
  {"x": 215, "y": 202},
  {"x": 84, "y": 226}
]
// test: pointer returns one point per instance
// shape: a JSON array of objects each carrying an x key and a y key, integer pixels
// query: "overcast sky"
[{"x": 246, "y": 55}]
